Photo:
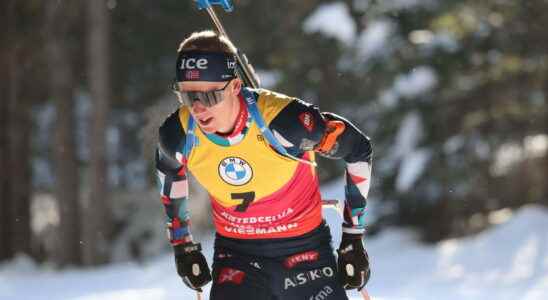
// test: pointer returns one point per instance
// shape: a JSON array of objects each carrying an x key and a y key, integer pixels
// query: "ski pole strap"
[
  {"x": 251, "y": 102},
  {"x": 204, "y": 4}
]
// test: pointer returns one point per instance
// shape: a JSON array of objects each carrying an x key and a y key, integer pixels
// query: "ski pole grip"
[{"x": 204, "y": 4}]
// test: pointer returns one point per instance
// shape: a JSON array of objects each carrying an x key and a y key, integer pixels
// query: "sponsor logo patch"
[
  {"x": 235, "y": 171},
  {"x": 193, "y": 63},
  {"x": 322, "y": 294},
  {"x": 307, "y": 256},
  {"x": 260, "y": 230},
  {"x": 307, "y": 120},
  {"x": 258, "y": 219},
  {"x": 230, "y": 275},
  {"x": 308, "y": 276}
]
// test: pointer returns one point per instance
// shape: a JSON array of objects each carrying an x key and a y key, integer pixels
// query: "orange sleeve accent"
[{"x": 334, "y": 129}]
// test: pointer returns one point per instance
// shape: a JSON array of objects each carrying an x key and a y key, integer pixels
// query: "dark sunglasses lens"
[
  {"x": 211, "y": 98},
  {"x": 206, "y": 98},
  {"x": 186, "y": 98},
  {"x": 218, "y": 95}
]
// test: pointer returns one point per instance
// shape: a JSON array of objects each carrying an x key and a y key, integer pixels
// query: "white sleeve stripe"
[
  {"x": 282, "y": 140},
  {"x": 353, "y": 230},
  {"x": 179, "y": 189},
  {"x": 361, "y": 169},
  {"x": 364, "y": 188},
  {"x": 161, "y": 180}
]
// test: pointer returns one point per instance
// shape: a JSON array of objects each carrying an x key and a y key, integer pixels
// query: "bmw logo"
[{"x": 235, "y": 171}]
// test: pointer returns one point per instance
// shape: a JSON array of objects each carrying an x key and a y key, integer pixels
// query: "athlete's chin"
[{"x": 208, "y": 129}]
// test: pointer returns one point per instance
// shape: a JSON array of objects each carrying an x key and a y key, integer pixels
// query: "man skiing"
[{"x": 253, "y": 151}]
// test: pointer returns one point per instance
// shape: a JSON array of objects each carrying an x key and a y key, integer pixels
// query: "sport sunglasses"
[{"x": 208, "y": 98}]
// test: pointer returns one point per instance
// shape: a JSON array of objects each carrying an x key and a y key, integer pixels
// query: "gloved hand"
[
  {"x": 353, "y": 262},
  {"x": 192, "y": 265}
]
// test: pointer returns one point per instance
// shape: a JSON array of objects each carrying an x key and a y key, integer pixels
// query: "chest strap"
[{"x": 191, "y": 138}]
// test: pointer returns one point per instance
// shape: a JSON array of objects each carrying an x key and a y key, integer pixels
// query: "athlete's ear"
[{"x": 236, "y": 86}]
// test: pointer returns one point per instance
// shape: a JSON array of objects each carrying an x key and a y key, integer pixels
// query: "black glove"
[
  {"x": 353, "y": 262},
  {"x": 192, "y": 265}
]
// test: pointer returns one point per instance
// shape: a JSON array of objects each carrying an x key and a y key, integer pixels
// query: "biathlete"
[{"x": 253, "y": 150}]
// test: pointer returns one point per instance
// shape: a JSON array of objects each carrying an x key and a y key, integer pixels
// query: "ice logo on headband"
[{"x": 194, "y": 63}]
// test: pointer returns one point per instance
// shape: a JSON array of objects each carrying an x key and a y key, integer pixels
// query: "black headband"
[{"x": 205, "y": 66}]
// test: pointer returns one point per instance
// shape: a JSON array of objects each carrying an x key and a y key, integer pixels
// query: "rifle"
[{"x": 245, "y": 70}]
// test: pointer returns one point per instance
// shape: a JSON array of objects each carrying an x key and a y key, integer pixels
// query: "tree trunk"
[
  {"x": 61, "y": 80},
  {"x": 19, "y": 160},
  {"x": 16, "y": 231},
  {"x": 6, "y": 250},
  {"x": 6, "y": 90},
  {"x": 97, "y": 218}
]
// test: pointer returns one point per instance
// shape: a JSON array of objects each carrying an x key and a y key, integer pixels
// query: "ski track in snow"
[{"x": 508, "y": 261}]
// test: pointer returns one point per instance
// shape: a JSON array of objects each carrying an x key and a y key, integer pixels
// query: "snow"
[
  {"x": 420, "y": 80},
  {"x": 453, "y": 144},
  {"x": 388, "y": 99},
  {"x": 403, "y": 153},
  {"x": 48, "y": 214},
  {"x": 421, "y": 36},
  {"x": 332, "y": 20},
  {"x": 395, "y": 5},
  {"x": 409, "y": 135},
  {"x": 445, "y": 41},
  {"x": 505, "y": 157},
  {"x": 268, "y": 78},
  {"x": 509, "y": 154},
  {"x": 373, "y": 40},
  {"x": 508, "y": 261},
  {"x": 536, "y": 145},
  {"x": 361, "y": 5},
  {"x": 411, "y": 169}
]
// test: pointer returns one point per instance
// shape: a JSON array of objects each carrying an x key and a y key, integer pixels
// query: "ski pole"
[
  {"x": 365, "y": 294},
  {"x": 245, "y": 69},
  {"x": 335, "y": 204}
]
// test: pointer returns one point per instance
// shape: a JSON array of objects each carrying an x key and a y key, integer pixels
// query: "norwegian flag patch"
[
  {"x": 192, "y": 74},
  {"x": 230, "y": 275},
  {"x": 307, "y": 120}
]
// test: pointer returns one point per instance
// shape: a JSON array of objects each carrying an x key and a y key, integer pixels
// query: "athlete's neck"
[{"x": 238, "y": 120}]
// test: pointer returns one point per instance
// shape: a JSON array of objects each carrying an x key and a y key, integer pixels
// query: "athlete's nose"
[{"x": 198, "y": 107}]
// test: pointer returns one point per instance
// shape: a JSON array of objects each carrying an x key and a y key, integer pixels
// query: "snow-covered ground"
[{"x": 509, "y": 261}]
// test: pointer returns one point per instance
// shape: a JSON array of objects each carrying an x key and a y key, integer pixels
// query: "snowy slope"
[{"x": 509, "y": 261}]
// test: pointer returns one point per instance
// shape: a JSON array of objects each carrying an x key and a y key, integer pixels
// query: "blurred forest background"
[{"x": 453, "y": 94}]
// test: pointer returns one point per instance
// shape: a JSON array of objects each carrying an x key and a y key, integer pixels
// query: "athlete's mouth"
[{"x": 205, "y": 121}]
